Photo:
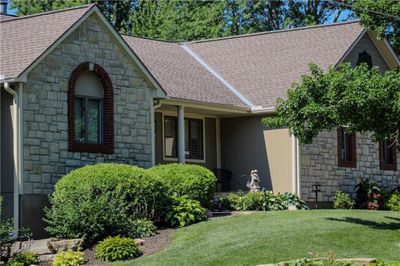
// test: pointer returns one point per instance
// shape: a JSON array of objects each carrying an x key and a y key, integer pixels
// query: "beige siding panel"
[{"x": 279, "y": 152}]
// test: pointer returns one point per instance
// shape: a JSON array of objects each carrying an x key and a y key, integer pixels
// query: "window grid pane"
[{"x": 79, "y": 105}]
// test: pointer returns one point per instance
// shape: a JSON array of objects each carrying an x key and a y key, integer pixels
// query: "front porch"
[{"x": 229, "y": 142}]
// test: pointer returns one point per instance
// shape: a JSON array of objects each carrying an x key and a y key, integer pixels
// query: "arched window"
[
  {"x": 364, "y": 57},
  {"x": 90, "y": 110}
]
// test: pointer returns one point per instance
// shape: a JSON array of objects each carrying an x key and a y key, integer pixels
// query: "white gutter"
[
  {"x": 298, "y": 162},
  {"x": 218, "y": 76},
  {"x": 17, "y": 136},
  {"x": 260, "y": 109}
]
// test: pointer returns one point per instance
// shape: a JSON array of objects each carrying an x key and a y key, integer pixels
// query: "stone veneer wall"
[
  {"x": 319, "y": 164},
  {"x": 46, "y": 155}
]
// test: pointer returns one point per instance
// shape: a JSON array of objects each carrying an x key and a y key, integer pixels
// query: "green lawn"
[{"x": 275, "y": 236}]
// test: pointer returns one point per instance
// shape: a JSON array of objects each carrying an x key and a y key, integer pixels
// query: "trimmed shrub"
[
  {"x": 117, "y": 248},
  {"x": 24, "y": 259},
  {"x": 142, "y": 228},
  {"x": 265, "y": 201},
  {"x": 69, "y": 258},
  {"x": 104, "y": 199},
  {"x": 195, "y": 181},
  {"x": 342, "y": 200},
  {"x": 185, "y": 211},
  {"x": 394, "y": 202}
]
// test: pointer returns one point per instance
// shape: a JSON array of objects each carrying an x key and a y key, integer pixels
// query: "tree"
[
  {"x": 313, "y": 12},
  {"x": 359, "y": 99},
  {"x": 382, "y": 16}
]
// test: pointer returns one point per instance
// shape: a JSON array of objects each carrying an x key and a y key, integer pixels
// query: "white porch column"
[{"x": 181, "y": 134}]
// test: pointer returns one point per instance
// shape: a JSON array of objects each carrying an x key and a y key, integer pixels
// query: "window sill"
[
  {"x": 386, "y": 166},
  {"x": 167, "y": 159},
  {"x": 347, "y": 164},
  {"x": 91, "y": 148}
]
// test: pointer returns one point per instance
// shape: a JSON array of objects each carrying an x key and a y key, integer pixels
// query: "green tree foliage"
[
  {"x": 383, "y": 16},
  {"x": 313, "y": 12},
  {"x": 359, "y": 99},
  {"x": 180, "y": 20}
]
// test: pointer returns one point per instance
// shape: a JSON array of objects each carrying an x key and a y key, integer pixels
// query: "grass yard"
[{"x": 266, "y": 237}]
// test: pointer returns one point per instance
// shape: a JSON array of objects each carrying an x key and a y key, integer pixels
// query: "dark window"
[
  {"x": 170, "y": 136},
  {"x": 90, "y": 110},
  {"x": 364, "y": 57},
  {"x": 346, "y": 149},
  {"x": 88, "y": 120},
  {"x": 388, "y": 155},
  {"x": 193, "y": 138}
]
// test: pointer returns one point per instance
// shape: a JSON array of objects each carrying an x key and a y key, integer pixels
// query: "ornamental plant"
[
  {"x": 117, "y": 248},
  {"x": 342, "y": 200},
  {"x": 185, "y": 211},
  {"x": 69, "y": 258}
]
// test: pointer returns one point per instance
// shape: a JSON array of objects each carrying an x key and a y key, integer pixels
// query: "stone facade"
[
  {"x": 319, "y": 163},
  {"x": 45, "y": 140}
]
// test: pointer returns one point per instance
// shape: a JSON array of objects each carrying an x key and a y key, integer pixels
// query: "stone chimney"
[{"x": 3, "y": 6}]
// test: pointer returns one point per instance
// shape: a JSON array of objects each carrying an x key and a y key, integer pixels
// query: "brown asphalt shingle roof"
[
  {"x": 4, "y": 17},
  {"x": 179, "y": 74},
  {"x": 24, "y": 39},
  {"x": 263, "y": 66}
]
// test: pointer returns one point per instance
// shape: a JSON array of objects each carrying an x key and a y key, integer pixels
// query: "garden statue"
[{"x": 255, "y": 181}]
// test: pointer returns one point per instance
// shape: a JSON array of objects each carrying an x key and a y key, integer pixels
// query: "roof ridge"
[
  {"x": 270, "y": 32},
  {"x": 148, "y": 38},
  {"x": 49, "y": 12}
]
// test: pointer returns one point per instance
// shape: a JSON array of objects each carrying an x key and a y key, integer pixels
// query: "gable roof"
[
  {"x": 24, "y": 39},
  {"x": 247, "y": 71},
  {"x": 263, "y": 66},
  {"x": 179, "y": 74}
]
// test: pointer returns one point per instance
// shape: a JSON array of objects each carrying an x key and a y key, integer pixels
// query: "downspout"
[
  {"x": 17, "y": 143},
  {"x": 298, "y": 161},
  {"x": 153, "y": 131}
]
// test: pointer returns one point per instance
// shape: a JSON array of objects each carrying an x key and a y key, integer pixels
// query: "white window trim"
[{"x": 187, "y": 115}]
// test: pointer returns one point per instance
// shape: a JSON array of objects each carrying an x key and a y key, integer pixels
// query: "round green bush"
[
  {"x": 104, "y": 199},
  {"x": 117, "y": 248},
  {"x": 195, "y": 181}
]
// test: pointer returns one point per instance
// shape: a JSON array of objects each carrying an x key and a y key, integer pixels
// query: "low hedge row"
[{"x": 108, "y": 199}]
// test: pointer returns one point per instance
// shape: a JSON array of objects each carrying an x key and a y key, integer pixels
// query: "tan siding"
[{"x": 279, "y": 153}]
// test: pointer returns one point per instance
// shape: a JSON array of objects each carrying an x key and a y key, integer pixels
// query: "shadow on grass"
[{"x": 371, "y": 224}]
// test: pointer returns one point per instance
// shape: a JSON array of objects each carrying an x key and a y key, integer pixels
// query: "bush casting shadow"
[{"x": 372, "y": 224}]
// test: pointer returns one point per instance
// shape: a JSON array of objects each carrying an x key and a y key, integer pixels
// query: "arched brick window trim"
[{"x": 108, "y": 111}]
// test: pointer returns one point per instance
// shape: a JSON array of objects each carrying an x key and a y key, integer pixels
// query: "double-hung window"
[
  {"x": 194, "y": 138},
  {"x": 346, "y": 149},
  {"x": 387, "y": 155}
]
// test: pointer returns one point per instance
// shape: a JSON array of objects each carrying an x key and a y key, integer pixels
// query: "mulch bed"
[{"x": 152, "y": 245}]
